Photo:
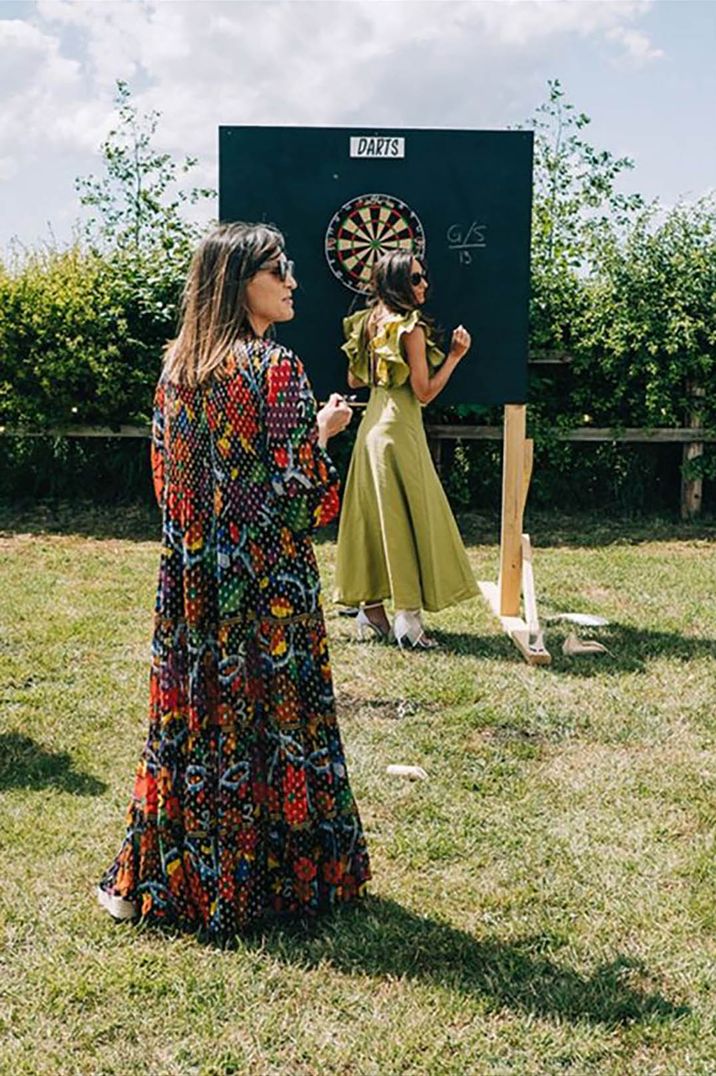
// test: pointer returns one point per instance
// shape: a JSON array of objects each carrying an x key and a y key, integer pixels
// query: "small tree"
[
  {"x": 576, "y": 205},
  {"x": 138, "y": 203},
  {"x": 139, "y": 229}
]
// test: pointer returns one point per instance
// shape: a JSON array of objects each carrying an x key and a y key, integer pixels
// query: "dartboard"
[{"x": 364, "y": 228}]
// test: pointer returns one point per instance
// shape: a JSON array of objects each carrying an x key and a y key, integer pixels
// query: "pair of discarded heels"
[{"x": 407, "y": 629}]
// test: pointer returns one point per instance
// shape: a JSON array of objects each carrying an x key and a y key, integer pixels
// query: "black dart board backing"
[{"x": 459, "y": 199}]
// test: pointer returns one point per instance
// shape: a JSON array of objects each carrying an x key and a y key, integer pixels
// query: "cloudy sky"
[{"x": 644, "y": 71}]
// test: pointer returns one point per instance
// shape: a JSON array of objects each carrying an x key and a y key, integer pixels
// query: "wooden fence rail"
[
  {"x": 435, "y": 431},
  {"x": 692, "y": 438},
  {"x": 634, "y": 435}
]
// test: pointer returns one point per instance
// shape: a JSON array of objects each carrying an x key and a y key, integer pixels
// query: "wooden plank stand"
[{"x": 516, "y": 576}]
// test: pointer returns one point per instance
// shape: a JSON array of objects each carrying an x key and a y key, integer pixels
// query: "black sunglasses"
[
  {"x": 416, "y": 278},
  {"x": 283, "y": 268}
]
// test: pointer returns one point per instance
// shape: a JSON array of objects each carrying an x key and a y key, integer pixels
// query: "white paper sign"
[{"x": 372, "y": 146}]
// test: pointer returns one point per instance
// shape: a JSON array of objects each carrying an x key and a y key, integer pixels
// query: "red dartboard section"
[{"x": 364, "y": 228}]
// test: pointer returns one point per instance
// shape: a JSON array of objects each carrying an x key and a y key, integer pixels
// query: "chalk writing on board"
[{"x": 464, "y": 239}]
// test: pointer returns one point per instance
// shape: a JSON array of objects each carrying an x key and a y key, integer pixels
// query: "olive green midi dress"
[{"x": 397, "y": 538}]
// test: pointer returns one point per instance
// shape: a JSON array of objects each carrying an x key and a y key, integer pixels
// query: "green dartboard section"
[{"x": 341, "y": 196}]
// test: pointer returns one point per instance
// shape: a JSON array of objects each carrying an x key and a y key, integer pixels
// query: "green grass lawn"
[{"x": 544, "y": 903}]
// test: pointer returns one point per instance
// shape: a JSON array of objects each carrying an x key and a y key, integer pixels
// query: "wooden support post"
[
  {"x": 513, "y": 502},
  {"x": 692, "y": 487},
  {"x": 528, "y": 587},
  {"x": 529, "y": 455},
  {"x": 516, "y": 574}
]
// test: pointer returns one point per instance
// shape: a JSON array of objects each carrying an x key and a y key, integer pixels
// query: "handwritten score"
[{"x": 465, "y": 239}]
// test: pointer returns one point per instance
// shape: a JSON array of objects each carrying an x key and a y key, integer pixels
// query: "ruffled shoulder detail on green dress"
[{"x": 380, "y": 361}]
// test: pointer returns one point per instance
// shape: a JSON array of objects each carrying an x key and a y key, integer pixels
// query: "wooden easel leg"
[
  {"x": 513, "y": 499},
  {"x": 516, "y": 573}
]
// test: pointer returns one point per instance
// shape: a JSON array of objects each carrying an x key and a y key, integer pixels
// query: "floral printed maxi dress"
[{"x": 241, "y": 805}]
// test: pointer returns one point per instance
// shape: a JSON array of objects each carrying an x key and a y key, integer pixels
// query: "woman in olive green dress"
[{"x": 398, "y": 538}]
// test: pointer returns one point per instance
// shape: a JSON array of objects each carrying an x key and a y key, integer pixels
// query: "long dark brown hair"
[
  {"x": 214, "y": 314},
  {"x": 390, "y": 283}
]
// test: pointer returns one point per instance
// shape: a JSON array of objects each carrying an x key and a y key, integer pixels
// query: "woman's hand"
[
  {"x": 333, "y": 418},
  {"x": 460, "y": 343}
]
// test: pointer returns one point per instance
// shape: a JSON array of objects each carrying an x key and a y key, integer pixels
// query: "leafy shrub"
[
  {"x": 627, "y": 290},
  {"x": 81, "y": 336}
]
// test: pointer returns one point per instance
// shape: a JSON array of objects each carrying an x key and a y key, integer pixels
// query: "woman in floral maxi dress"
[{"x": 241, "y": 806}]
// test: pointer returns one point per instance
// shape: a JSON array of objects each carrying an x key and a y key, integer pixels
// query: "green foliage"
[
  {"x": 105, "y": 470},
  {"x": 575, "y": 204},
  {"x": 137, "y": 204},
  {"x": 650, "y": 327},
  {"x": 81, "y": 337},
  {"x": 575, "y": 195},
  {"x": 457, "y": 477},
  {"x": 82, "y": 330},
  {"x": 627, "y": 290}
]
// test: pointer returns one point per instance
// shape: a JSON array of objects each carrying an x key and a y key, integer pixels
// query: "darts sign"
[
  {"x": 459, "y": 200},
  {"x": 377, "y": 147}
]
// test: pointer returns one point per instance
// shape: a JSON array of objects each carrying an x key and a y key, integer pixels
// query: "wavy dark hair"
[
  {"x": 390, "y": 283},
  {"x": 214, "y": 314}
]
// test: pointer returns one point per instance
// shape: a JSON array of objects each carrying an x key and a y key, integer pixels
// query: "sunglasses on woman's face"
[
  {"x": 417, "y": 278},
  {"x": 283, "y": 268}
]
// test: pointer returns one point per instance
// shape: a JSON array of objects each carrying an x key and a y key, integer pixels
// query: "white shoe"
[
  {"x": 364, "y": 626},
  {"x": 118, "y": 907},
  {"x": 408, "y": 630}
]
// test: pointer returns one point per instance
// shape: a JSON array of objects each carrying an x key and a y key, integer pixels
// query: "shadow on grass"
[
  {"x": 589, "y": 530},
  {"x": 137, "y": 522},
  {"x": 495, "y": 647},
  {"x": 385, "y": 940},
  {"x": 631, "y": 649},
  {"x": 140, "y": 521},
  {"x": 24, "y": 764}
]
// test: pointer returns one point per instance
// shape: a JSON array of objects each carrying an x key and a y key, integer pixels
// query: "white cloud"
[
  {"x": 282, "y": 62},
  {"x": 44, "y": 98},
  {"x": 637, "y": 46},
  {"x": 527, "y": 23},
  {"x": 205, "y": 63},
  {"x": 109, "y": 34},
  {"x": 20, "y": 44},
  {"x": 8, "y": 168}
]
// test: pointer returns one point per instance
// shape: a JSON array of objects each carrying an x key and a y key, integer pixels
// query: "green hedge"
[{"x": 81, "y": 335}]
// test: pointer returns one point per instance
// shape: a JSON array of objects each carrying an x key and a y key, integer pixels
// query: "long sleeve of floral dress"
[
  {"x": 157, "y": 453},
  {"x": 302, "y": 475}
]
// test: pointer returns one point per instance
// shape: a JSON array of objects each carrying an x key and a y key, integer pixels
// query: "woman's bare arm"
[
  {"x": 425, "y": 387},
  {"x": 354, "y": 382}
]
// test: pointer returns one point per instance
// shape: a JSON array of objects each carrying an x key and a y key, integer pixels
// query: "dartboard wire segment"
[{"x": 363, "y": 229}]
